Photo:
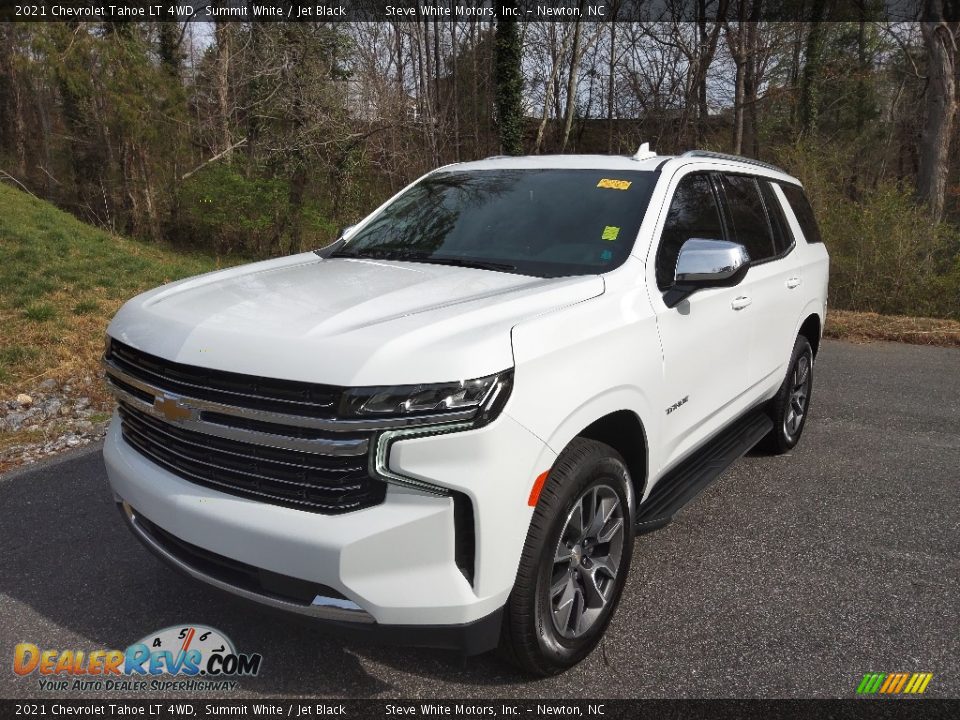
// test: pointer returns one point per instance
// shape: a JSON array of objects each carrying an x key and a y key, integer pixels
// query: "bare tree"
[{"x": 940, "y": 34}]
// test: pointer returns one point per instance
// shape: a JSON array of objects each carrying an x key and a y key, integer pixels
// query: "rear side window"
[
  {"x": 782, "y": 235},
  {"x": 801, "y": 208},
  {"x": 693, "y": 213},
  {"x": 748, "y": 217}
]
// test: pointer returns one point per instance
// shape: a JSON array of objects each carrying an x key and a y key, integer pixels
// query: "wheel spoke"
[
  {"x": 605, "y": 565},
  {"x": 560, "y": 581},
  {"x": 610, "y": 530},
  {"x": 595, "y": 597},
  {"x": 564, "y": 607},
  {"x": 601, "y": 514},
  {"x": 577, "y": 522}
]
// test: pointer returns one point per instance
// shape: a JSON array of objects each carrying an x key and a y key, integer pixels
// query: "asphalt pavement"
[{"x": 790, "y": 576}]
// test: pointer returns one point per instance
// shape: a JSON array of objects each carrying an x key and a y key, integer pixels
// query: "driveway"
[{"x": 788, "y": 577}]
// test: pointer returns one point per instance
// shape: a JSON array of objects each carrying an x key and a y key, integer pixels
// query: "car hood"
[{"x": 344, "y": 321}]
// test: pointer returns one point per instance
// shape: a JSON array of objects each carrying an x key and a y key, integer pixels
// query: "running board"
[{"x": 684, "y": 483}]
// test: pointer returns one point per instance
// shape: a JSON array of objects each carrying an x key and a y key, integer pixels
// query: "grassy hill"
[{"x": 60, "y": 283}]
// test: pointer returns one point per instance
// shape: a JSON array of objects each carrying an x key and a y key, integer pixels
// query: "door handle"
[
  {"x": 794, "y": 282},
  {"x": 741, "y": 302}
]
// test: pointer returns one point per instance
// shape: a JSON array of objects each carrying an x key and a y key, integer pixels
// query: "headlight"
[{"x": 464, "y": 399}]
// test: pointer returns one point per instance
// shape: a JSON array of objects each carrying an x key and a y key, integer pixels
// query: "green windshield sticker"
[{"x": 610, "y": 232}]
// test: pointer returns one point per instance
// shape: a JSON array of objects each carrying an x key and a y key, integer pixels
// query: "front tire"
[
  {"x": 574, "y": 563},
  {"x": 791, "y": 405}
]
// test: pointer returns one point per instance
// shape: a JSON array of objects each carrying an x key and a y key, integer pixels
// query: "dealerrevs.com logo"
[{"x": 182, "y": 657}]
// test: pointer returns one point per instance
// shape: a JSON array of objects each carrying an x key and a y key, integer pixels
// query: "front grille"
[
  {"x": 231, "y": 438},
  {"x": 248, "y": 391},
  {"x": 320, "y": 483}
]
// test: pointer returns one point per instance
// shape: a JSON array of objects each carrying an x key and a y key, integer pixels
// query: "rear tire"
[
  {"x": 574, "y": 563},
  {"x": 791, "y": 405}
]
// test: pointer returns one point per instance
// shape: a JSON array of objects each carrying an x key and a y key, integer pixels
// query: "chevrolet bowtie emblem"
[{"x": 172, "y": 408}]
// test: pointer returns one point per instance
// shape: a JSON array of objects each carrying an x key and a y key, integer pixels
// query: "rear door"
[{"x": 772, "y": 287}]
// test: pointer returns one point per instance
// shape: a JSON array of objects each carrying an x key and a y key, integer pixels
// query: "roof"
[{"x": 622, "y": 163}]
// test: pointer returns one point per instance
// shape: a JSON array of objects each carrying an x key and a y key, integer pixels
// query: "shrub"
[
  {"x": 220, "y": 209},
  {"x": 886, "y": 254}
]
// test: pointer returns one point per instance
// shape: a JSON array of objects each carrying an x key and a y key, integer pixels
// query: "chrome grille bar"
[
  {"x": 143, "y": 440},
  {"x": 321, "y": 446},
  {"x": 330, "y": 425}
]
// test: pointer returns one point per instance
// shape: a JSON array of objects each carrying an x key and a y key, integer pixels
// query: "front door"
[{"x": 705, "y": 340}]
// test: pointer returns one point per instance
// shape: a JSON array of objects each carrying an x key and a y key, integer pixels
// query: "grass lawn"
[
  {"x": 867, "y": 327},
  {"x": 60, "y": 283}
]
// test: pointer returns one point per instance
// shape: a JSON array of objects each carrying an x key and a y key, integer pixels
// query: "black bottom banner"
[{"x": 606, "y": 709}]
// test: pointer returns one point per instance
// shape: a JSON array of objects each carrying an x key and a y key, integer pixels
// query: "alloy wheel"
[
  {"x": 586, "y": 561},
  {"x": 799, "y": 397}
]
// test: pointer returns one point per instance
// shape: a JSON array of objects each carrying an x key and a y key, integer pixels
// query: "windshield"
[{"x": 545, "y": 223}]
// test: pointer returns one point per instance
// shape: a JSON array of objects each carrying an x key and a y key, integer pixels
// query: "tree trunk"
[
  {"x": 454, "y": 51},
  {"x": 222, "y": 85},
  {"x": 939, "y": 39},
  {"x": 572, "y": 84},
  {"x": 509, "y": 81},
  {"x": 548, "y": 96},
  {"x": 169, "y": 47},
  {"x": 610, "y": 75},
  {"x": 738, "y": 105},
  {"x": 810, "y": 76},
  {"x": 751, "y": 83},
  {"x": 12, "y": 125}
]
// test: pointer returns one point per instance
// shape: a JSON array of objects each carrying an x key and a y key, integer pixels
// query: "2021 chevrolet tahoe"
[{"x": 449, "y": 426}]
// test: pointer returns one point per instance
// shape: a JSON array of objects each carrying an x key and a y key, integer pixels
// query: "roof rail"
[{"x": 737, "y": 158}]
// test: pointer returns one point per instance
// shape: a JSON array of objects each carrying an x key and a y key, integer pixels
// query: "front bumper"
[
  {"x": 388, "y": 566},
  {"x": 339, "y": 616}
]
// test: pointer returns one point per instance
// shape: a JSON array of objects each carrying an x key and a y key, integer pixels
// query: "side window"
[
  {"x": 782, "y": 235},
  {"x": 804, "y": 213},
  {"x": 748, "y": 216},
  {"x": 693, "y": 213}
]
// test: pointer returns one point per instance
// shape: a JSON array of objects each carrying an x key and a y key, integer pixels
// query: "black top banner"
[{"x": 441, "y": 10}]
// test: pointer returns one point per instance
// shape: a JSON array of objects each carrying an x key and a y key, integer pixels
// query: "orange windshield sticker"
[{"x": 614, "y": 184}]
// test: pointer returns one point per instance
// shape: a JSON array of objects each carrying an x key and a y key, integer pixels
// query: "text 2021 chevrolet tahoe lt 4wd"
[{"x": 448, "y": 426}]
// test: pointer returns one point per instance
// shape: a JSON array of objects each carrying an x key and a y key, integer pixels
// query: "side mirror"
[
  {"x": 706, "y": 263},
  {"x": 344, "y": 231}
]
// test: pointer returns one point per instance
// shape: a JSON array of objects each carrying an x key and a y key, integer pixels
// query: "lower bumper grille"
[{"x": 306, "y": 481}]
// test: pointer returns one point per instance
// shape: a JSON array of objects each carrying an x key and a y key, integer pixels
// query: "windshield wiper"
[
  {"x": 461, "y": 262},
  {"x": 385, "y": 255},
  {"x": 407, "y": 256}
]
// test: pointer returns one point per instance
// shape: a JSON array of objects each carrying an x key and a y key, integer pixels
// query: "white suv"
[{"x": 448, "y": 426}]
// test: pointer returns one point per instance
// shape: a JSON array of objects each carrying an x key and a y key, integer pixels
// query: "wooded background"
[{"x": 263, "y": 139}]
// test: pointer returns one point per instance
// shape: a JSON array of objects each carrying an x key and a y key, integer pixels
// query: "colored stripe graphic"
[{"x": 894, "y": 683}]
